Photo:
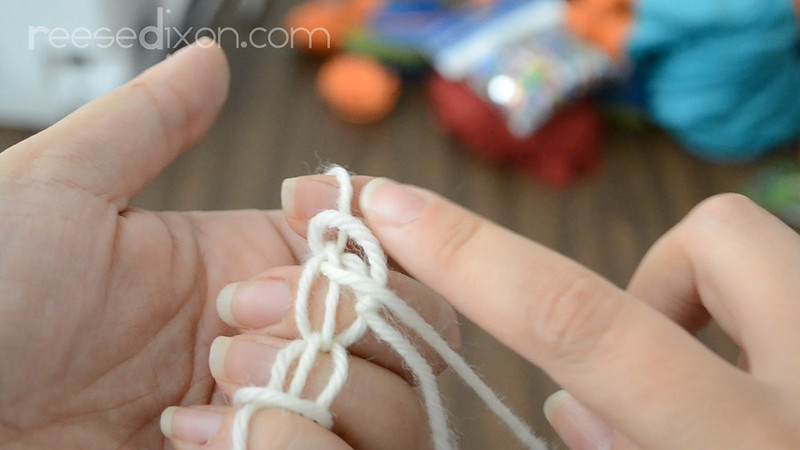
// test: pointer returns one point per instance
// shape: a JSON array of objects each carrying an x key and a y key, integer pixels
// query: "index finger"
[{"x": 614, "y": 353}]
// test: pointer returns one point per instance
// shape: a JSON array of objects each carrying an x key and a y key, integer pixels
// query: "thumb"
[{"x": 115, "y": 145}]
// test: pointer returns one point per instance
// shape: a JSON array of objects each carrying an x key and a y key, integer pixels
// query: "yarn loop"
[{"x": 346, "y": 254}]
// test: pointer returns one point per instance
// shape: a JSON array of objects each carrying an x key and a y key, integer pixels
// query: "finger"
[
  {"x": 731, "y": 258},
  {"x": 302, "y": 201},
  {"x": 316, "y": 193},
  {"x": 372, "y": 395},
  {"x": 600, "y": 343},
  {"x": 265, "y": 305},
  {"x": 210, "y": 427},
  {"x": 113, "y": 146},
  {"x": 579, "y": 428}
]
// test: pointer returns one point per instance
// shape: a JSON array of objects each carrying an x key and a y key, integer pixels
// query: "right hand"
[{"x": 628, "y": 356}]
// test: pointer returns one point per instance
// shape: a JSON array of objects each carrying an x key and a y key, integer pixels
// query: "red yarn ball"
[{"x": 567, "y": 146}]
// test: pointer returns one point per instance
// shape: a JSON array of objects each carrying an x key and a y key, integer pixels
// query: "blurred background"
[{"x": 596, "y": 178}]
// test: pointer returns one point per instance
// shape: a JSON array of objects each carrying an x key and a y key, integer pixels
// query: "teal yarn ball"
[{"x": 722, "y": 75}]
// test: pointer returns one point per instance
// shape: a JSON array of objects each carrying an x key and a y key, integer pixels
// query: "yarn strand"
[{"x": 364, "y": 273}]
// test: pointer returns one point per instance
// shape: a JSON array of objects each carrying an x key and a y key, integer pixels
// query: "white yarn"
[{"x": 365, "y": 275}]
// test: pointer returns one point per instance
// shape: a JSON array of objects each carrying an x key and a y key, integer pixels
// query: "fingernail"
[
  {"x": 205, "y": 42},
  {"x": 390, "y": 202},
  {"x": 190, "y": 425},
  {"x": 244, "y": 361},
  {"x": 305, "y": 197},
  {"x": 553, "y": 402},
  {"x": 167, "y": 69},
  {"x": 254, "y": 304},
  {"x": 578, "y": 427},
  {"x": 287, "y": 196},
  {"x": 216, "y": 357}
]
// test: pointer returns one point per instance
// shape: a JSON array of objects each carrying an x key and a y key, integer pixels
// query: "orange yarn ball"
[
  {"x": 329, "y": 16},
  {"x": 359, "y": 90},
  {"x": 359, "y": 11},
  {"x": 605, "y": 23},
  {"x": 337, "y": 18}
]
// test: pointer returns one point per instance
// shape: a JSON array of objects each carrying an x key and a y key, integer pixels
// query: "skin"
[
  {"x": 638, "y": 376},
  {"x": 107, "y": 312}
]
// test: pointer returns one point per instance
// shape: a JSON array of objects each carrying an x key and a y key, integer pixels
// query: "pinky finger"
[{"x": 209, "y": 427}]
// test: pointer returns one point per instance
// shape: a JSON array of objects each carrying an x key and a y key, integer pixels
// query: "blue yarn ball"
[{"x": 722, "y": 75}]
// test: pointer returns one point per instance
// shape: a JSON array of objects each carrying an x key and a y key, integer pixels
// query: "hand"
[
  {"x": 629, "y": 357},
  {"x": 107, "y": 312},
  {"x": 377, "y": 400}
]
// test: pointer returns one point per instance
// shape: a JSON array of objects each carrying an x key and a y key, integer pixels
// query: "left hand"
[{"x": 107, "y": 312}]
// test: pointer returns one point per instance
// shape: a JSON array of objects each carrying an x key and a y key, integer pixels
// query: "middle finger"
[{"x": 265, "y": 306}]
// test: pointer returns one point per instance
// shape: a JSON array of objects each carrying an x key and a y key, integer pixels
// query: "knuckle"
[
  {"x": 720, "y": 213},
  {"x": 459, "y": 233},
  {"x": 725, "y": 208},
  {"x": 573, "y": 316},
  {"x": 163, "y": 116}
]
